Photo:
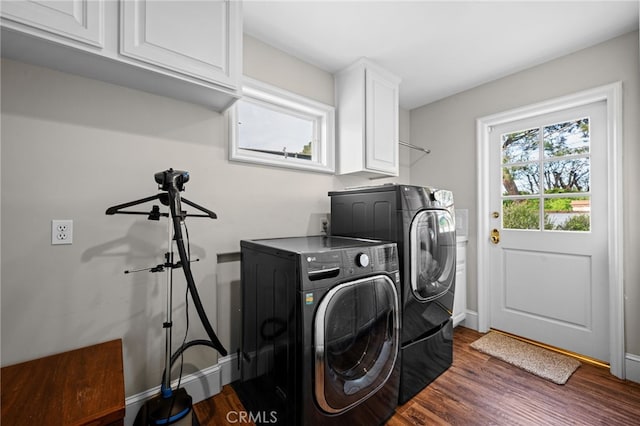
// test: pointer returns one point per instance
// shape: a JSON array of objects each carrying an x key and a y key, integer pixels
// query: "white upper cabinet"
[
  {"x": 188, "y": 50},
  {"x": 196, "y": 38},
  {"x": 367, "y": 98},
  {"x": 76, "y": 20}
]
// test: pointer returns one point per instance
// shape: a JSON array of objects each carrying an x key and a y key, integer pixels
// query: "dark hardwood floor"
[{"x": 481, "y": 390}]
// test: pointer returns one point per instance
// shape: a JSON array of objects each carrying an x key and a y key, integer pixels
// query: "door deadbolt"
[
  {"x": 495, "y": 236},
  {"x": 495, "y": 215}
]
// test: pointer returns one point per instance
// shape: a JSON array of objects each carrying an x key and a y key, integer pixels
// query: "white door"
[{"x": 549, "y": 229}]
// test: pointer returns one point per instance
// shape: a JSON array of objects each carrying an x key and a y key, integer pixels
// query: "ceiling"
[{"x": 438, "y": 48}]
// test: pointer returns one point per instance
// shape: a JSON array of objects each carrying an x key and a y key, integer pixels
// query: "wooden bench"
[{"x": 80, "y": 387}]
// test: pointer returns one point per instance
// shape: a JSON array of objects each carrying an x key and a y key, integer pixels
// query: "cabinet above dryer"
[
  {"x": 367, "y": 120},
  {"x": 191, "y": 51}
]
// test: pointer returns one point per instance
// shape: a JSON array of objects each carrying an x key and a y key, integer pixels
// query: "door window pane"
[
  {"x": 520, "y": 146},
  {"x": 568, "y": 213},
  {"x": 567, "y": 138},
  {"x": 521, "y": 214},
  {"x": 570, "y": 175},
  {"x": 521, "y": 180}
]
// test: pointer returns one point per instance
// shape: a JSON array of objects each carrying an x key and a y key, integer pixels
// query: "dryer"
[
  {"x": 421, "y": 221},
  {"x": 320, "y": 330}
]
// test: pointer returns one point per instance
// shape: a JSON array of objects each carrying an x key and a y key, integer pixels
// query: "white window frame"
[{"x": 275, "y": 98}]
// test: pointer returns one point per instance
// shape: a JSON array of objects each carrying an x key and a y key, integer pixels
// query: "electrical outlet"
[{"x": 61, "y": 231}]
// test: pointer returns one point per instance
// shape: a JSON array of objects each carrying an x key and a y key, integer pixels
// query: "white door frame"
[{"x": 612, "y": 95}]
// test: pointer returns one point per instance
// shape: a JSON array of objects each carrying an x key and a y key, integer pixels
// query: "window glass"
[
  {"x": 278, "y": 128},
  {"x": 267, "y": 129},
  {"x": 546, "y": 177},
  {"x": 568, "y": 138},
  {"x": 520, "y": 146}
]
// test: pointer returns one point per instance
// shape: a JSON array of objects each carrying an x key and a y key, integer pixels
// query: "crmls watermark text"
[{"x": 239, "y": 417}]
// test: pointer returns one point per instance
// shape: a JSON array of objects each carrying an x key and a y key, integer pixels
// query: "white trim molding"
[
  {"x": 470, "y": 320},
  {"x": 632, "y": 367},
  {"x": 612, "y": 95}
]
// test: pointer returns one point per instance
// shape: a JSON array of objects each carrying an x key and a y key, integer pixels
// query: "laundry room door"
[{"x": 548, "y": 236}]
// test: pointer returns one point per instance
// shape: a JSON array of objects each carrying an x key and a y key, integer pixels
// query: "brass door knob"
[{"x": 495, "y": 236}]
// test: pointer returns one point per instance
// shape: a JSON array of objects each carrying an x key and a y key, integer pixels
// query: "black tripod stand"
[{"x": 173, "y": 407}]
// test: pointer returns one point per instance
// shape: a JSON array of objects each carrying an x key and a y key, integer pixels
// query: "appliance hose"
[{"x": 174, "y": 205}]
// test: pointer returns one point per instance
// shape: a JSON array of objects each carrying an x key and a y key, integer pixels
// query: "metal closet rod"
[{"x": 419, "y": 148}]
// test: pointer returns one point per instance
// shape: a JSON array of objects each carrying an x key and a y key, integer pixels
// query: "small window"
[{"x": 272, "y": 126}]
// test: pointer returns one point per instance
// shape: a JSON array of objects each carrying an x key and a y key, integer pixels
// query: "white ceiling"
[{"x": 438, "y": 48}]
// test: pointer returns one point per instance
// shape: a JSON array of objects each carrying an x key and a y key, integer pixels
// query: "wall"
[
  {"x": 71, "y": 148},
  {"x": 448, "y": 128}
]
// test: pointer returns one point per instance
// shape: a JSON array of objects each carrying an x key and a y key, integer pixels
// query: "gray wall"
[
  {"x": 448, "y": 128},
  {"x": 71, "y": 147}
]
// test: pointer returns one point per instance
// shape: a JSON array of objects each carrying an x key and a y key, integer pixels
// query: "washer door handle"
[{"x": 321, "y": 274}]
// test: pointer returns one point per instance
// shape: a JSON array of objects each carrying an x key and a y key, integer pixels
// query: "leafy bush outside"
[
  {"x": 521, "y": 214},
  {"x": 525, "y": 214},
  {"x": 576, "y": 223}
]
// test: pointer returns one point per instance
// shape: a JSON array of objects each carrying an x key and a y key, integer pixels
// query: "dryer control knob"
[{"x": 362, "y": 259}]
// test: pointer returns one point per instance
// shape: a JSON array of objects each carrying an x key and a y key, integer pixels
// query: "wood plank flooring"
[{"x": 481, "y": 390}]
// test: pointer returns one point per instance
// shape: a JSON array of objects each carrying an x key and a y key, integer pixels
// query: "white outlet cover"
[{"x": 61, "y": 231}]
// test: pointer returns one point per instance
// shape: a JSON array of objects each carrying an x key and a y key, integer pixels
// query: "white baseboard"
[
  {"x": 200, "y": 385},
  {"x": 470, "y": 320},
  {"x": 632, "y": 367}
]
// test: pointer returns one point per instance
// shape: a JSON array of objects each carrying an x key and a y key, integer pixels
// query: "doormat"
[{"x": 536, "y": 360}]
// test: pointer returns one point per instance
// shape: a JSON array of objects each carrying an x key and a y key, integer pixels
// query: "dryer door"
[
  {"x": 433, "y": 254},
  {"x": 356, "y": 342}
]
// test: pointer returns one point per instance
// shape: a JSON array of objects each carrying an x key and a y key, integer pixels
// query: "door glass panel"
[
  {"x": 520, "y": 146},
  {"x": 521, "y": 213},
  {"x": 358, "y": 330},
  {"x": 568, "y": 213},
  {"x": 571, "y": 175},
  {"x": 433, "y": 254},
  {"x": 561, "y": 164},
  {"x": 521, "y": 180},
  {"x": 567, "y": 138}
]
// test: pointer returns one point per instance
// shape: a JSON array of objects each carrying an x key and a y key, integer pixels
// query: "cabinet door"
[
  {"x": 381, "y": 123},
  {"x": 195, "y": 38},
  {"x": 73, "y": 20}
]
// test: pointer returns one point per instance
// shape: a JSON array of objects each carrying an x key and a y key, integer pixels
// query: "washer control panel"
[{"x": 350, "y": 262}]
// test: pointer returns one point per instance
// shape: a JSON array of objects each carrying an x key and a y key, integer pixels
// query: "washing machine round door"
[
  {"x": 356, "y": 342},
  {"x": 433, "y": 254}
]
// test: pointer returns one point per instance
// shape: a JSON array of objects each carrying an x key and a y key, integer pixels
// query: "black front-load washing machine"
[
  {"x": 320, "y": 321},
  {"x": 421, "y": 221}
]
